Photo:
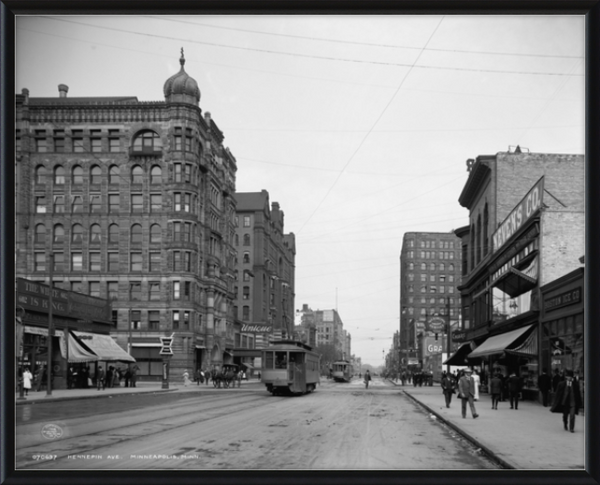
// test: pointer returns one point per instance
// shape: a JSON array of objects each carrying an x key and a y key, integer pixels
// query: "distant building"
[
  {"x": 265, "y": 272},
  {"x": 305, "y": 329},
  {"x": 430, "y": 264},
  {"x": 134, "y": 201}
]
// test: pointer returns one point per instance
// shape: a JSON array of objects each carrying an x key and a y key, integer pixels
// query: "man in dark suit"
[
  {"x": 567, "y": 400},
  {"x": 514, "y": 388},
  {"x": 466, "y": 392},
  {"x": 544, "y": 385}
]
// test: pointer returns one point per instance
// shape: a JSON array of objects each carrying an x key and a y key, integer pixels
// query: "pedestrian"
[
  {"x": 127, "y": 377},
  {"x": 544, "y": 385},
  {"x": 367, "y": 379},
  {"x": 134, "y": 371},
  {"x": 27, "y": 378},
  {"x": 514, "y": 389},
  {"x": 186, "y": 378},
  {"x": 448, "y": 387},
  {"x": 477, "y": 381},
  {"x": 108, "y": 377},
  {"x": 567, "y": 400},
  {"x": 495, "y": 390},
  {"x": 100, "y": 379},
  {"x": 556, "y": 379},
  {"x": 466, "y": 392}
]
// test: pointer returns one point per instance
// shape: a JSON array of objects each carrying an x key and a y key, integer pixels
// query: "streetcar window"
[
  {"x": 269, "y": 360},
  {"x": 280, "y": 360}
]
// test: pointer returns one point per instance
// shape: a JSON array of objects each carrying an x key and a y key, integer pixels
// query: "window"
[
  {"x": 39, "y": 262},
  {"x": 177, "y": 201},
  {"x": 155, "y": 233},
  {"x": 113, "y": 203},
  {"x": 136, "y": 319},
  {"x": 114, "y": 175},
  {"x": 432, "y": 277},
  {"x": 176, "y": 260},
  {"x": 59, "y": 175},
  {"x": 154, "y": 291},
  {"x": 423, "y": 266},
  {"x": 153, "y": 320},
  {"x": 177, "y": 138},
  {"x": 246, "y": 239},
  {"x": 155, "y": 202},
  {"x": 77, "y": 175},
  {"x": 77, "y": 233},
  {"x": 137, "y": 203},
  {"x": 113, "y": 261},
  {"x": 77, "y": 205},
  {"x": 77, "y": 139},
  {"x": 432, "y": 267},
  {"x": 95, "y": 234},
  {"x": 155, "y": 261},
  {"x": 96, "y": 144},
  {"x": 187, "y": 290},
  {"x": 177, "y": 172},
  {"x": 137, "y": 175},
  {"x": 114, "y": 145},
  {"x": 59, "y": 234},
  {"x": 94, "y": 288},
  {"x": 187, "y": 230},
  {"x": 156, "y": 175},
  {"x": 423, "y": 277},
  {"x": 40, "y": 143},
  {"x": 77, "y": 286},
  {"x": 40, "y": 233},
  {"x": 136, "y": 261},
  {"x": 187, "y": 261},
  {"x": 177, "y": 231},
  {"x": 175, "y": 316},
  {"x": 246, "y": 221},
  {"x": 59, "y": 262},
  {"x": 59, "y": 204},
  {"x": 76, "y": 261},
  {"x": 246, "y": 294},
  {"x": 176, "y": 290},
  {"x": 135, "y": 290},
  {"x": 112, "y": 290},
  {"x": 113, "y": 233},
  {"x": 147, "y": 142},
  {"x": 186, "y": 319},
  {"x": 451, "y": 267},
  {"x": 40, "y": 175},
  {"x": 187, "y": 202},
  {"x": 96, "y": 175},
  {"x": 246, "y": 313},
  {"x": 136, "y": 234},
  {"x": 40, "y": 204},
  {"x": 95, "y": 203}
]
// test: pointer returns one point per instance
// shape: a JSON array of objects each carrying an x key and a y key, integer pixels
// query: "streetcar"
[
  {"x": 290, "y": 367},
  {"x": 342, "y": 371}
]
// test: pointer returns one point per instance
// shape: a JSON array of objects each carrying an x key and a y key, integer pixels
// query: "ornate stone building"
[{"x": 134, "y": 202}]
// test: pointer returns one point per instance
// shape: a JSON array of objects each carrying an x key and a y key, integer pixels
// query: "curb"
[
  {"x": 91, "y": 396},
  {"x": 464, "y": 434}
]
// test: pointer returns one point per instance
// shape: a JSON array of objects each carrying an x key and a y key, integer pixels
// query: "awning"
[
  {"x": 460, "y": 356},
  {"x": 498, "y": 343},
  {"x": 76, "y": 350},
  {"x": 104, "y": 347},
  {"x": 515, "y": 282},
  {"x": 529, "y": 348}
]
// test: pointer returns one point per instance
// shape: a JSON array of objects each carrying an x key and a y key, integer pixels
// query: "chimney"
[{"x": 62, "y": 90}]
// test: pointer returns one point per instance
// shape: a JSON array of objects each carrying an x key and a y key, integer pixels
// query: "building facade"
[
  {"x": 134, "y": 201},
  {"x": 265, "y": 269},
  {"x": 526, "y": 229},
  {"x": 430, "y": 264}
]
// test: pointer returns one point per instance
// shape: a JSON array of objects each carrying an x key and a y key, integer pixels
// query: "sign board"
[
  {"x": 564, "y": 299},
  {"x": 437, "y": 324},
  {"x": 256, "y": 328},
  {"x": 528, "y": 206},
  {"x": 412, "y": 361},
  {"x": 166, "y": 343}
]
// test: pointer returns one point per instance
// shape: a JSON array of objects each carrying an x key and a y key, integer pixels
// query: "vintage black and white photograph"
[{"x": 300, "y": 242}]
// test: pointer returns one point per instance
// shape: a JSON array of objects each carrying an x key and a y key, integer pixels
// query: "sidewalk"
[
  {"x": 141, "y": 387},
  {"x": 528, "y": 438}
]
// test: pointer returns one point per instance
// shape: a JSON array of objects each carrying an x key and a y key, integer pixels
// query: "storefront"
[{"x": 562, "y": 325}]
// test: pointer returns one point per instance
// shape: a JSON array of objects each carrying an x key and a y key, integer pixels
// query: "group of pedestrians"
[{"x": 113, "y": 375}]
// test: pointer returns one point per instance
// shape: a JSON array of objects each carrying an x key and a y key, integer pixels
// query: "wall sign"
[{"x": 564, "y": 299}]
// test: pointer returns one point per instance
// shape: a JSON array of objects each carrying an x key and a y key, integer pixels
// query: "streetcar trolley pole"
[{"x": 167, "y": 352}]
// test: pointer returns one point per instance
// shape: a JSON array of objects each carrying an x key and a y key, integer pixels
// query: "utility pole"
[
  {"x": 448, "y": 334},
  {"x": 50, "y": 328}
]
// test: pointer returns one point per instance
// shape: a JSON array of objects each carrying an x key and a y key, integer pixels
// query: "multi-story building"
[
  {"x": 134, "y": 201},
  {"x": 430, "y": 264},
  {"x": 265, "y": 269},
  {"x": 330, "y": 330},
  {"x": 526, "y": 230},
  {"x": 306, "y": 327}
]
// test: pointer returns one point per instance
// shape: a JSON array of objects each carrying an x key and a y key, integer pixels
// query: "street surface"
[{"x": 339, "y": 426}]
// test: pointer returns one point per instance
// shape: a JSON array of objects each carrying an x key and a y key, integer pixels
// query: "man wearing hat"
[
  {"x": 567, "y": 400},
  {"x": 466, "y": 392}
]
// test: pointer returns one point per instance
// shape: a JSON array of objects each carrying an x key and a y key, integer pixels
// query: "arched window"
[
  {"x": 40, "y": 233},
  {"x": 76, "y": 233},
  {"x": 114, "y": 175},
  {"x": 156, "y": 175},
  {"x": 147, "y": 142},
  {"x": 137, "y": 175},
  {"x": 113, "y": 233},
  {"x": 136, "y": 233},
  {"x": 77, "y": 175},
  {"x": 59, "y": 234},
  {"x": 96, "y": 175},
  {"x": 40, "y": 174},
  {"x": 95, "y": 233},
  {"x": 59, "y": 175},
  {"x": 155, "y": 233}
]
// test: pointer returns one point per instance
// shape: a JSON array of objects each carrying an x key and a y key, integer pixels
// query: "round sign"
[{"x": 437, "y": 324}]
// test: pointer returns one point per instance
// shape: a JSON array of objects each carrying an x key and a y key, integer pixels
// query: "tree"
[{"x": 328, "y": 354}]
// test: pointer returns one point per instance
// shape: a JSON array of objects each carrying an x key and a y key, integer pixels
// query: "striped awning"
[
  {"x": 499, "y": 343},
  {"x": 529, "y": 348},
  {"x": 515, "y": 282}
]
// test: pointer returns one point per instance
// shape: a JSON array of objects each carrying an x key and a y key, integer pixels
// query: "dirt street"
[{"x": 340, "y": 426}]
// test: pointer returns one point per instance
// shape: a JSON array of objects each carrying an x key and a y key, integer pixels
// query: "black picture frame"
[{"x": 591, "y": 9}]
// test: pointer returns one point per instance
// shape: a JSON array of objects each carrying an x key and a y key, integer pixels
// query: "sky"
[{"x": 359, "y": 126}]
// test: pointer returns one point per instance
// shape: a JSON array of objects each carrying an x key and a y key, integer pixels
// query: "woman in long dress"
[
  {"x": 27, "y": 378},
  {"x": 477, "y": 384},
  {"x": 186, "y": 378}
]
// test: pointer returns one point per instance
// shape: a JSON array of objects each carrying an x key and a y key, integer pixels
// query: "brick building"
[
  {"x": 526, "y": 229},
  {"x": 430, "y": 265},
  {"x": 134, "y": 200},
  {"x": 265, "y": 268}
]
